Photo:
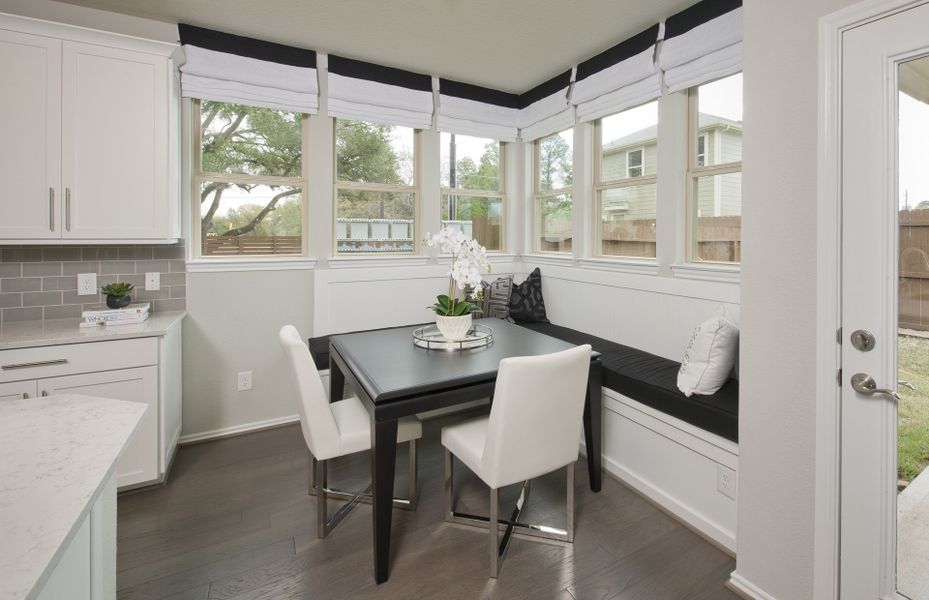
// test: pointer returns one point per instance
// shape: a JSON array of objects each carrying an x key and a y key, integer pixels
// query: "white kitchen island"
[{"x": 58, "y": 458}]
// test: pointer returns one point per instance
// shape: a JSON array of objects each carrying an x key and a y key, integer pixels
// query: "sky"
[{"x": 914, "y": 151}]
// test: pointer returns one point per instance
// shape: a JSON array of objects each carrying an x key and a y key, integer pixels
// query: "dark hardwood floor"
[{"x": 235, "y": 522}]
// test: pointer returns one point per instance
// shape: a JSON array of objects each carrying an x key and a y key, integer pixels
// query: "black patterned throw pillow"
[
  {"x": 526, "y": 302},
  {"x": 497, "y": 297}
]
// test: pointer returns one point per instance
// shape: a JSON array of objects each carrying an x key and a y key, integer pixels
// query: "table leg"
[
  {"x": 383, "y": 462},
  {"x": 336, "y": 380},
  {"x": 593, "y": 416}
]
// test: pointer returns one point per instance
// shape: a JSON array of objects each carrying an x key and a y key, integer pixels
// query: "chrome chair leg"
[
  {"x": 318, "y": 486},
  {"x": 493, "y": 530},
  {"x": 513, "y": 527}
]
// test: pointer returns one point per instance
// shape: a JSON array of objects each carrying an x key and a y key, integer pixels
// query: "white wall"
[
  {"x": 778, "y": 348},
  {"x": 232, "y": 325}
]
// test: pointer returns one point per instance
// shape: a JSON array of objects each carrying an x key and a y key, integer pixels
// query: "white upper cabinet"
[
  {"x": 90, "y": 151},
  {"x": 30, "y": 155}
]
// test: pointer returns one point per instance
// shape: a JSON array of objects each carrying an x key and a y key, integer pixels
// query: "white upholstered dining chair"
[
  {"x": 337, "y": 429},
  {"x": 534, "y": 428}
]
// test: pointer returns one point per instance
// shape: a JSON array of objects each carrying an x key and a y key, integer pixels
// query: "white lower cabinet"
[
  {"x": 86, "y": 569},
  {"x": 18, "y": 390},
  {"x": 140, "y": 461},
  {"x": 146, "y": 370}
]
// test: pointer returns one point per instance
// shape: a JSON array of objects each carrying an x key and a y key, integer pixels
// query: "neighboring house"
[{"x": 719, "y": 142}]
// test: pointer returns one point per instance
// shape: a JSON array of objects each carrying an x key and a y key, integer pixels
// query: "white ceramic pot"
[{"x": 453, "y": 328}]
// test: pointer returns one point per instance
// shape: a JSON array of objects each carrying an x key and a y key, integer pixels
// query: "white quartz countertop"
[
  {"x": 26, "y": 334},
  {"x": 56, "y": 453}
]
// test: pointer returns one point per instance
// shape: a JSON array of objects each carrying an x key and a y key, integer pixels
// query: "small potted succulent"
[
  {"x": 117, "y": 294},
  {"x": 454, "y": 315}
]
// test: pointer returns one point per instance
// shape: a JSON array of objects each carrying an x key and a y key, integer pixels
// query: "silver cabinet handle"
[
  {"x": 25, "y": 396},
  {"x": 865, "y": 385},
  {"x": 67, "y": 209},
  {"x": 39, "y": 363},
  {"x": 51, "y": 208}
]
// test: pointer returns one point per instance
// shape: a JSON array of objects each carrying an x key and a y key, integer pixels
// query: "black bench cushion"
[
  {"x": 652, "y": 380},
  {"x": 319, "y": 346}
]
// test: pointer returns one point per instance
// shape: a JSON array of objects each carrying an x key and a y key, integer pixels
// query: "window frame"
[
  {"x": 538, "y": 195},
  {"x": 500, "y": 193},
  {"x": 198, "y": 176},
  {"x": 695, "y": 172},
  {"x": 600, "y": 186},
  {"x": 414, "y": 189}
]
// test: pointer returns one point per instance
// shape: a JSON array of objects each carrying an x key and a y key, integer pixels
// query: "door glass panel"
[{"x": 913, "y": 339}]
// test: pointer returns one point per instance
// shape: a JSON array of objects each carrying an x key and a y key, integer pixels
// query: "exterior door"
[
  {"x": 114, "y": 138},
  {"x": 30, "y": 155},
  {"x": 139, "y": 462},
  {"x": 884, "y": 511}
]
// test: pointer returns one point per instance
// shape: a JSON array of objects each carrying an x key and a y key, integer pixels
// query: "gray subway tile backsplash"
[{"x": 40, "y": 282}]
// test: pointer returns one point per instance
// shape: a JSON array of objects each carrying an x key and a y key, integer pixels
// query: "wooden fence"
[
  {"x": 218, "y": 245},
  {"x": 914, "y": 269}
]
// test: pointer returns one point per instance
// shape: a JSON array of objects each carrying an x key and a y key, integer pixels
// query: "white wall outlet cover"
[
  {"x": 153, "y": 281},
  {"x": 725, "y": 481},
  {"x": 86, "y": 284},
  {"x": 244, "y": 381}
]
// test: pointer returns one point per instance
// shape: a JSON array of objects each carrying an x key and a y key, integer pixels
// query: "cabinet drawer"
[{"x": 53, "y": 361}]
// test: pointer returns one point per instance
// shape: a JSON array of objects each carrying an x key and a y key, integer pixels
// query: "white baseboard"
[
  {"x": 670, "y": 504},
  {"x": 203, "y": 436},
  {"x": 746, "y": 588}
]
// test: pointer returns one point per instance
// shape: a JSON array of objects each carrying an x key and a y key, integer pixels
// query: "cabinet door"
[
  {"x": 30, "y": 155},
  {"x": 114, "y": 143},
  {"x": 18, "y": 390},
  {"x": 139, "y": 463}
]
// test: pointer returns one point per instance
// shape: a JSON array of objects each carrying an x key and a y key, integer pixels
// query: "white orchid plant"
[{"x": 468, "y": 258}]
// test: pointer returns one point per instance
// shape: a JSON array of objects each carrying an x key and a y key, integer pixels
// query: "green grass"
[{"x": 913, "y": 415}]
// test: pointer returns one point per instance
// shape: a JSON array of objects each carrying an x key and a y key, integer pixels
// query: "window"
[
  {"x": 625, "y": 182},
  {"x": 472, "y": 187},
  {"x": 634, "y": 162},
  {"x": 715, "y": 172},
  {"x": 375, "y": 188},
  {"x": 249, "y": 180},
  {"x": 553, "y": 174}
]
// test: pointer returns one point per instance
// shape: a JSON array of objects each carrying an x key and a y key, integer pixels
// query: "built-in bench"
[{"x": 636, "y": 374}]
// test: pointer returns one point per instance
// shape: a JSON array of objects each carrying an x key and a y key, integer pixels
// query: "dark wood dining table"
[{"x": 393, "y": 378}]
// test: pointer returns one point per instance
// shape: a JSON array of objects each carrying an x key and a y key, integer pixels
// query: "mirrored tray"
[{"x": 429, "y": 337}]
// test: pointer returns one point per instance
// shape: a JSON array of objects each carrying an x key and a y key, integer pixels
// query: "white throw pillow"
[
  {"x": 733, "y": 314},
  {"x": 709, "y": 359}
]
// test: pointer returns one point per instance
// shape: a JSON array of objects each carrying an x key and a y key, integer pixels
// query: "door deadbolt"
[{"x": 863, "y": 340}]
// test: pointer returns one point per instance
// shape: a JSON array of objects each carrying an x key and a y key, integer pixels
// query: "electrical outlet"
[
  {"x": 153, "y": 281},
  {"x": 86, "y": 284},
  {"x": 725, "y": 481},
  {"x": 244, "y": 381}
]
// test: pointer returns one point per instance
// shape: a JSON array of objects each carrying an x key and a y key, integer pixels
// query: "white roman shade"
[
  {"x": 618, "y": 78},
  {"x": 469, "y": 109},
  {"x": 545, "y": 109},
  {"x": 368, "y": 92},
  {"x": 702, "y": 43},
  {"x": 231, "y": 68}
]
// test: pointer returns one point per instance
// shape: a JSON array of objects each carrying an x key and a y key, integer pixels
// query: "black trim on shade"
[
  {"x": 468, "y": 91},
  {"x": 618, "y": 53},
  {"x": 546, "y": 89},
  {"x": 698, "y": 14},
  {"x": 247, "y": 47},
  {"x": 358, "y": 69}
]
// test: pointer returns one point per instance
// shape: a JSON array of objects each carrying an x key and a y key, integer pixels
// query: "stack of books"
[{"x": 102, "y": 315}]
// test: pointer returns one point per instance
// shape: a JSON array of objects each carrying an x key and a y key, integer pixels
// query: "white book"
[
  {"x": 96, "y": 322},
  {"x": 136, "y": 308}
]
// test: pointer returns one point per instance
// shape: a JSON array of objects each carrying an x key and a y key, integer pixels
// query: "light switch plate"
[
  {"x": 153, "y": 281},
  {"x": 86, "y": 284}
]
